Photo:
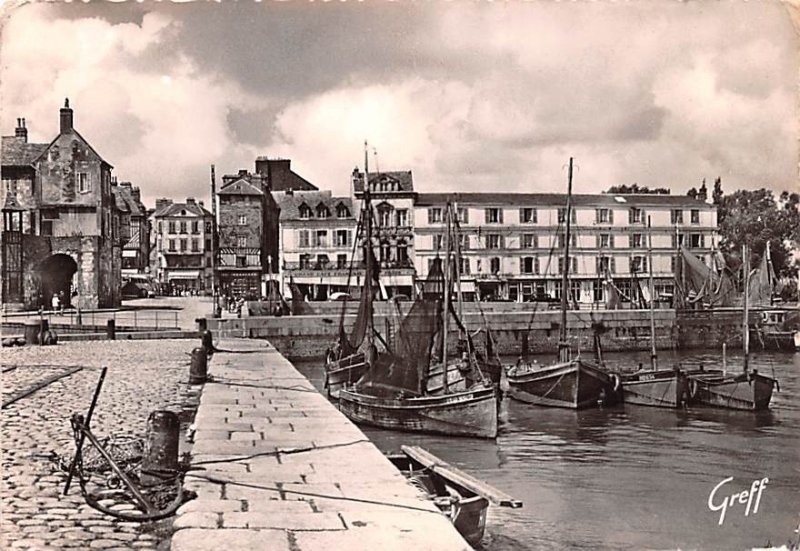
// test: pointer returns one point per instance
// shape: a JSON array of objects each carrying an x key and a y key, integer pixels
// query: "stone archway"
[{"x": 55, "y": 277}]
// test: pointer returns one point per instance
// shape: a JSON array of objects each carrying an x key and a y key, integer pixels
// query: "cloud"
[{"x": 468, "y": 96}]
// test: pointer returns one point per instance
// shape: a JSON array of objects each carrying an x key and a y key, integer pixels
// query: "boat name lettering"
[{"x": 746, "y": 496}]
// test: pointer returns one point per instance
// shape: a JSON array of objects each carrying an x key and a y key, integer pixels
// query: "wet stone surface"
[{"x": 143, "y": 376}]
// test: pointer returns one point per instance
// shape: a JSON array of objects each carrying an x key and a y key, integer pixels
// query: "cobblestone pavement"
[{"x": 143, "y": 376}]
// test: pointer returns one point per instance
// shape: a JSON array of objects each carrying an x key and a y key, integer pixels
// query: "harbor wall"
[{"x": 516, "y": 332}]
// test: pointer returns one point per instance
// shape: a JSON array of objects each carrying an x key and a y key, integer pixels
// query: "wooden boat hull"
[
  {"x": 574, "y": 384},
  {"x": 469, "y": 518},
  {"x": 665, "y": 388},
  {"x": 468, "y": 413},
  {"x": 772, "y": 339},
  {"x": 345, "y": 371},
  {"x": 741, "y": 392}
]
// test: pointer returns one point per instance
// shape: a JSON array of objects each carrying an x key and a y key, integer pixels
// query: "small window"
[
  {"x": 241, "y": 241},
  {"x": 635, "y": 215},
  {"x": 494, "y": 241},
  {"x": 341, "y": 261},
  {"x": 637, "y": 241},
  {"x": 529, "y": 241},
  {"x": 494, "y": 265},
  {"x": 527, "y": 216},
  {"x": 529, "y": 265},
  {"x": 434, "y": 216},
  {"x": 402, "y": 217},
  {"x": 171, "y": 226},
  {"x": 638, "y": 264},
  {"x": 171, "y": 245},
  {"x": 342, "y": 211},
  {"x": 676, "y": 216},
  {"x": 562, "y": 215},
  {"x": 494, "y": 216},
  {"x": 604, "y": 241},
  {"x": 195, "y": 226},
  {"x": 305, "y": 211},
  {"x": 604, "y": 216},
  {"x": 695, "y": 216},
  {"x": 302, "y": 238},
  {"x": 183, "y": 226},
  {"x": 322, "y": 211},
  {"x": 195, "y": 245},
  {"x": 242, "y": 220},
  {"x": 241, "y": 261},
  {"x": 342, "y": 238},
  {"x": 464, "y": 265},
  {"x": 463, "y": 217},
  {"x": 84, "y": 184},
  {"x": 697, "y": 240}
]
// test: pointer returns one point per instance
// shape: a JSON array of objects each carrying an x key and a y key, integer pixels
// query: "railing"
[{"x": 137, "y": 319}]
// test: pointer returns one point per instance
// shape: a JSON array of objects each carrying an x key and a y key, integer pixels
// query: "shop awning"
[{"x": 192, "y": 274}]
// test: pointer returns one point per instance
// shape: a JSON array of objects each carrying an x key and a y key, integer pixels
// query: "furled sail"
[
  {"x": 697, "y": 283},
  {"x": 762, "y": 281}
]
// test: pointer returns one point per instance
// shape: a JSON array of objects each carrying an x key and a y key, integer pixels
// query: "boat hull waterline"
[
  {"x": 574, "y": 384},
  {"x": 659, "y": 388},
  {"x": 469, "y": 413},
  {"x": 751, "y": 392}
]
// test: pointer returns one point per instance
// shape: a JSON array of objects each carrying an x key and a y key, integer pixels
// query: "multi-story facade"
[
  {"x": 242, "y": 255},
  {"x": 183, "y": 246},
  {"x": 512, "y": 244},
  {"x": 392, "y": 196},
  {"x": 316, "y": 245},
  {"x": 70, "y": 223},
  {"x": 134, "y": 229}
]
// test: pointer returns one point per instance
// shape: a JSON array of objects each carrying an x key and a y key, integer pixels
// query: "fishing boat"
[
  {"x": 773, "y": 328},
  {"x": 571, "y": 382},
  {"x": 351, "y": 355},
  {"x": 394, "y": 393},
  {"x": 667, "y": 388},
  {"x": 461, "y": 497},
  {"x": 749, "y": 390}
]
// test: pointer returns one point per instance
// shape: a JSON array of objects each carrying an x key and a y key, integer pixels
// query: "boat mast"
[
  {"x": 457, "y": 250},
  {"x": 745, "y": 321},
  {"x": 653, "y": 355},
  {"x": 446, "y": 315},
  {"x": 368, "y": 267},
  {"x": 563, "y": 346},
  {"x": 770, "y": 282}
]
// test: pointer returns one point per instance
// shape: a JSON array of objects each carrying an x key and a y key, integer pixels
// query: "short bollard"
[
  {"x": 44, "y": 328},
  {"x": 160, "y": 461},
  {"x": 207, "y": 340},
  {"x": 202, "y": 324},
  {"x": 32, "y": 329},
  {"x": 199, "y": 369},
  {"x": 111, "y": 330}
]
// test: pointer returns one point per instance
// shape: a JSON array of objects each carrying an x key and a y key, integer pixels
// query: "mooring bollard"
[
  {"x": 207, "y": 340},
  {"x": 44, "y": 327},
  {"x": 111, "y": 330},
  {"x": 199, "y": 369},
  {"x": 32, "y": 330},
  {"x": 160, "y": 460},
  {"x": 202, "y": 324}
]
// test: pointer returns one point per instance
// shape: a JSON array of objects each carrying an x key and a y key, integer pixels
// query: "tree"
[
  {"x": 754, "y": 218},
  {"x": 636, "y": 188},
  {"x": 716, "y": 195}
]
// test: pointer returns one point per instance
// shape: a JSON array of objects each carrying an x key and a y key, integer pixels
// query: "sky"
[{"x": 470, "y": 96}]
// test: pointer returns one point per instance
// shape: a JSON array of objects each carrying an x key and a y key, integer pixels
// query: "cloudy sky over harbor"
[{"x": 470, "y": 96}]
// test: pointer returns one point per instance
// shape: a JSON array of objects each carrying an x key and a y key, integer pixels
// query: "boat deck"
[{"x": 278, "y": 467}]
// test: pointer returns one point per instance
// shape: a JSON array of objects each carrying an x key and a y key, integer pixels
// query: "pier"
[{"x": 276, "y": 466}]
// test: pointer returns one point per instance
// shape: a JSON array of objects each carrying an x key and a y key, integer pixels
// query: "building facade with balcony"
[
  {"x": 183, "y": 235},
  {"x": 317, "y": 243},
  {"x": 68, "y": 221},
  {"x": 512, "y": 244},
  {"x": 134, "y": 229},
  {"x": 392, "y": 197}
]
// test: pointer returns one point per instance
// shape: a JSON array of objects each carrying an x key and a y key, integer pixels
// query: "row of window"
[
  {"x": 531, "y": 216},
  {"x": 183, "y": 226},
  {"x": 319, "y": 238},
  {"x": 536, "y": 266},
  {"x": 603, "y": 241},
  {"x": 184, "y": 245},
  {"x": 322, "y": 211}
]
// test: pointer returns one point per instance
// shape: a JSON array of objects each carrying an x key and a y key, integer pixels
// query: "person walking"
[{"x": 55, "y": 302}]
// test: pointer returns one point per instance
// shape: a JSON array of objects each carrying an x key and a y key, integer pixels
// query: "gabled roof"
[
  {"x": 17, "y": 152},
  {"x": 84, "y": 140},
  {"x": 403, "y": 181},
  {"x": 175, "y": 209},
  {"x": 126, "y": 202},
  {"x": 239, "y": 187},
  {"x": 559, "y": 200},
  {"x": 290, "y": 204}
]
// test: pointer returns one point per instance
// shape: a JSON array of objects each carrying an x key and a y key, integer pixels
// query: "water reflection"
[{"x": 634, "y": 477}]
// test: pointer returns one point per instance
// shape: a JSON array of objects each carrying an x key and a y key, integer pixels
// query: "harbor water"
[{"x": 636, "y": 477}]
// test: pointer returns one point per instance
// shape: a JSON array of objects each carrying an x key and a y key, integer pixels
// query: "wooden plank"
[{"x": 459, "y": 477}]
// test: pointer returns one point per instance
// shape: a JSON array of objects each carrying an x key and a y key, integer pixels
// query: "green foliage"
[
  {"x": 754, "y": 218},
  {"x": 636, "y": 188}
]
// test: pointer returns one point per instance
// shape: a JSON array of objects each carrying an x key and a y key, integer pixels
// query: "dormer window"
[
  {"x": 342, "y": 211},
  {"x": 322, "y": 211},
  {"x": 305, "y": 211}
]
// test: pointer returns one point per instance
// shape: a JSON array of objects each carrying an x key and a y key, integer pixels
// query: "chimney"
[
  {"x": 21, "y": 132},
  {"x": 136, "y": 194},
  {"x": 200, "y": 204},
  {"x": 242, "y": 172},
  {"x": 163, "y": 202},
  {"x": 190, "y": 201},
  {"x": 66, "y": 118}
]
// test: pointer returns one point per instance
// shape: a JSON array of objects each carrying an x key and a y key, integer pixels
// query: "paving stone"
[
  {"x": 215, "y": 540},
  {"x": 285, "y": 521},
  {"x": 211, "y": 506},
  {"x": 196, "y": 519}
]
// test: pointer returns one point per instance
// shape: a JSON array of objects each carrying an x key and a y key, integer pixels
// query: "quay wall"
[{"x": 516, "y": 332}]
